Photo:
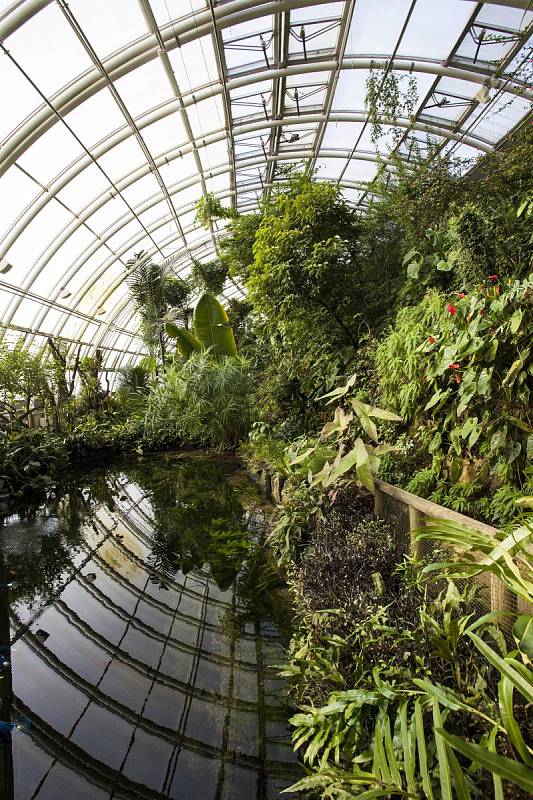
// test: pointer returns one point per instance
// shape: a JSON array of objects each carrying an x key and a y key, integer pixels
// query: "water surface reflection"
[{"x": 138, "y": 633}]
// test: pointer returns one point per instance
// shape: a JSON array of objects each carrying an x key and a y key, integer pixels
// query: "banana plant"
[{"x": 212, "y": 330}]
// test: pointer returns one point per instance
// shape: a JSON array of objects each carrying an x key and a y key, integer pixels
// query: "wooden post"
[
  {"x": 379, "y": 503},
  {"x": 276, "y": 489},
  {"x": 415, "y": 521},
  {"x": 501, "y": 598}
]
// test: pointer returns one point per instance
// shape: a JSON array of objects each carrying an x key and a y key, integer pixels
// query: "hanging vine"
[{"x": 388, "y": 98}]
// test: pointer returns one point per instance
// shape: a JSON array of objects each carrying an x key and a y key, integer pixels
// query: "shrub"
[{"x": 204, "y": 400}]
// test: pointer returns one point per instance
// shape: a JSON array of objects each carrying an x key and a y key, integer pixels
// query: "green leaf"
[
  {"x": 362, "y": 466},
  {"x": 347, "y": 462},
  {"x": 458, "y": 776},
  {"x": 187, "y": 344},
  {"x": 513, "y": 371},
  {"x": 212, "y": 327},
  {"x": 409, "y": 255},
  {"x": 506, "y": 701},
  {"x": 525, "y": 687},
  {"x": 523, "y": 633},
  {"x": 422, "y": 751},
  {"x": 502, "y": 766},
  {"x": 516, "y": 320},
  {"x": 413, "y": 269},
  {"x": 444, "y": 767}
]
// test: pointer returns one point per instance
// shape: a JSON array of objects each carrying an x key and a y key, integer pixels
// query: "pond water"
[{"x": 140, "y": 626}]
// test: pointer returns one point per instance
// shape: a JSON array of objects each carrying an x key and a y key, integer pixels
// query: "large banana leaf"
[
  {"x": 212, "y": 326},
  {"x": 186, "y": 342}
]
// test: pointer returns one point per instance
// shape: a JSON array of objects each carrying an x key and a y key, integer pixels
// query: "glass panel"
[
  {"x": 124, "y": 23},
  {"x": 95, "y": 118},
  {"x": 144, "y": 88},
  {"x": 376, "y": 32},
  {"x": 16, "y": 192},
  {"x": 50, "y": 154},
  {"x": 434, "y": 28},
  {"x": 48, "y": 49},
  {"x": 208, "y": 115},
  {"x": 165, "y": 134},
  {"x": 84, "y": 188},
  {"x": 194, "y": 64},
  {"x": 19, "y": 98},
  {"x": 33, "y": 239}
]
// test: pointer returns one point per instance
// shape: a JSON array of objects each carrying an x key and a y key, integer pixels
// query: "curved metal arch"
[
  {"x": 256, "y": 125},
  {"x": 115, "y": 228},
  {"x": 128, "y": 59},
  {"x": 71, "y": 171},
  {"x": 52, "y": 248}
]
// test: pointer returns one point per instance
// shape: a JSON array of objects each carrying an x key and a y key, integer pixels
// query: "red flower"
[
  {"x": 455, "y": 365},
  {"x": 431, "y": 339},
  {"x": 452, "y": 309},
  {"x": 460, "y": 295},
  {"x": 457, "y": 378},
  {"x": 493, "y": 277}
]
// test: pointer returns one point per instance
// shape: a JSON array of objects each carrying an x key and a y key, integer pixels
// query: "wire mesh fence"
[{"x": 405, "y": 512}]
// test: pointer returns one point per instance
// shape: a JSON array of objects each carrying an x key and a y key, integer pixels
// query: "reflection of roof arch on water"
[
  {"x": 170, "y": 109},
  {"x": 126, "y": 670}
]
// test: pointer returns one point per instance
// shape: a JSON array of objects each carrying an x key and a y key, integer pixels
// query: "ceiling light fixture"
[{"x": 64, "y": 293}]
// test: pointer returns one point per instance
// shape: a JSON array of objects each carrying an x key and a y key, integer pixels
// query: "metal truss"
[{"x": 300, "y": 57}]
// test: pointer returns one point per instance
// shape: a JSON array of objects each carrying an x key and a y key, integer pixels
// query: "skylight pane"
[
  {"x": 375, "y": 29},
  {"x": 19, "y": 98},
  {"x": 16, "y": 192},
  {"x": 109, "y": 26},
  {"x": 434, "y": 28},
  {"x": 144, "y": 88},
  {"x": 48, "y": 50},
  {"x": 50, "y": 154}
]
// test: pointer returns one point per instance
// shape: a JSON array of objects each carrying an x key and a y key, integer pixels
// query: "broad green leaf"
[
  {"x": 212, "y": 326},
  {"x": 512, "y": 373},
  {"x": 413, "y": 268},
  {"x": 502, "y": 766},
  {"x": 379, "y": 413},
  {"x": 409, "y": 255},
  {"x": 362, "y": 466},
  {"x": 347, "y": 462},
  {"x": 186, "y": 343},
  {"x": 516, "y": 320}
]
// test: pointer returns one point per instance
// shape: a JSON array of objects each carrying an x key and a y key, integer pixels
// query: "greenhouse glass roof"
[{"x": 118, "y": 115}]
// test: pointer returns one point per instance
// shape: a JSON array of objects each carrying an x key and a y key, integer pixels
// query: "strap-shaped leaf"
[
  {"x": 522, "y": 683},
  {"x": 502, "y": 766}
]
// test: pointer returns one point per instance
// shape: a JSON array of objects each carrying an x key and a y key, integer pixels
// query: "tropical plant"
[
  {"x": 508, "y": 557},
  {"x": 208, "y": 275},
  {"x": 23, "y": 385},
  {"x": 155, "y": 294},
  {"x": 212, "y": 330},
  {"x": 205, "y": 400}
]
